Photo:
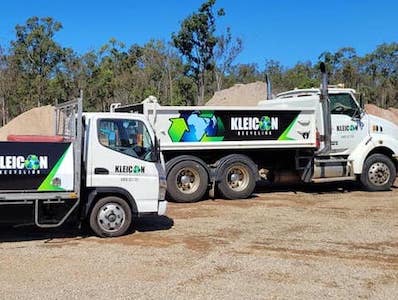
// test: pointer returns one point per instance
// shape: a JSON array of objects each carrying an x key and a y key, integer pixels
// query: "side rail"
[{"x": 68, "y": 123}]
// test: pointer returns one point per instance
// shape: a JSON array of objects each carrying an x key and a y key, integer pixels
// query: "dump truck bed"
[{"x": 217, "y": 127}]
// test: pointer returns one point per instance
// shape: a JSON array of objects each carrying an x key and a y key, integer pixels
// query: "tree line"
[{"x": 186, "y": 70}]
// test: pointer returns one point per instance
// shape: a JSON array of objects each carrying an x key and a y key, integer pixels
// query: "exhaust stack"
[
  {"x": 327, "y": 123},
  {"x": 269, "y": 87}
]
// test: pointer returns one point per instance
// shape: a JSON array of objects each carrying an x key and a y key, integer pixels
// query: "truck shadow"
[
  {"x": 25, "y": 233},
  {"x": 10, "y": 233},
  {"x": 152, "y": 223}
]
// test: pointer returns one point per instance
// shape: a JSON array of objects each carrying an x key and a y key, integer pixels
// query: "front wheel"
[
  {"x": 378, "y": 173},
  {"x": 110, "y": 217}
]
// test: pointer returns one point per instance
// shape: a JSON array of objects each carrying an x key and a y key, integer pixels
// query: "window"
[
  {"x": 343, "y": 104},
  {"x": 130, "y": 137}
]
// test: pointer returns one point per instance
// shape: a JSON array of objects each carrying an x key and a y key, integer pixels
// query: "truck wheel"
[
  {"x": 378, "y": 173},
  {"x": 110, "y": 217},
  {"x": 237, "y": 179},
  {"x": 187, "y": 181}
]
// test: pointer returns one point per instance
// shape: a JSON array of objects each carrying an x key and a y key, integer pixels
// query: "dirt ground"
[{"x": 305, "y": 243}]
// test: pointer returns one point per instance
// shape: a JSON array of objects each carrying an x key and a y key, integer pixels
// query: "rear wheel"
[
  {"x": 110, "y": 217},
  {"x": 236, "y": 178},
  {"x": 378, "y": 173},
  {"x": 187, "y": 181}
]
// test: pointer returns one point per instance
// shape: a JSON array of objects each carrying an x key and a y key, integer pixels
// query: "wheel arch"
[
  {"x": 369, "y": 147},
  {"x": 100, "y": 192},
  {"x": 172, "y": 162},
  {"x": 385, "y": 151}
]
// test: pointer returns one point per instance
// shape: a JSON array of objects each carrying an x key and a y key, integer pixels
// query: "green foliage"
[
  {"x": 36, "y": 70},
  {"x": 196, "y": 41}
]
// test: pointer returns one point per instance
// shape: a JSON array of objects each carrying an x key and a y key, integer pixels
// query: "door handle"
[{"x": 101, "y": 171}]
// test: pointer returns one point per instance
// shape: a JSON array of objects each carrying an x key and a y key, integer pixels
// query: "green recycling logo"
[
  {"x": 32, "y": 162},
  {"x": 265, "y": 123},
  {"x": 196, "y": 126}
]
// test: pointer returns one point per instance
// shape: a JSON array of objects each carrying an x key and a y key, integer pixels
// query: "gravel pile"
[
  {"x": 37, "y": 121},
  {"x": 240, "y": 95}
]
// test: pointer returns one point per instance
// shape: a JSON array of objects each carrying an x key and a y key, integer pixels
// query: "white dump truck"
[
  {"x": 103, "y": 168},
  {"x": 313, "y": 135}
]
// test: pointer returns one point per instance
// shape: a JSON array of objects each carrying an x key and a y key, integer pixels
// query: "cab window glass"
[
  {"x": 130, "y": 137},
  {"x": 343, "y": 104}
]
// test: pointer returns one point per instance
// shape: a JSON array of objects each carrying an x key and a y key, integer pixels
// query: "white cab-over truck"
[
  {"x": 103, "y": 168},
  {"x": 313, "y": 135}
]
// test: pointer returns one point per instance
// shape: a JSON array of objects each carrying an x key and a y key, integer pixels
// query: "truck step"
[
  {"x": 331, "y": 161},
  {"x": 333, "y": 179}
]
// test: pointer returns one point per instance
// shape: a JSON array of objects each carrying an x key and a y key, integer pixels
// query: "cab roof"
[{"x": 313, "y": 91}]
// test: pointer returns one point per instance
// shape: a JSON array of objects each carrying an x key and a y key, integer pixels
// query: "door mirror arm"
[
  {"x": 361, "y": 103},
  {"x": 156, "y": 150}
]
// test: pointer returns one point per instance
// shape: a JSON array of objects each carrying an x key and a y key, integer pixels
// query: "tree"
[
  {"x": 245, "y": 73},
  {"x": 3, "y": 86},
  {"x": 381, "y": 71},
  {"x": 37, "y": 56},
  {"x": 226, "y": 51},
  {"x": 275, "y": 71},
  {"x": 196, "y": 41}
]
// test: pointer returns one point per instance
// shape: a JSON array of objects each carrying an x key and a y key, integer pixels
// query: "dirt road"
[{"x": 323, "y": 242}]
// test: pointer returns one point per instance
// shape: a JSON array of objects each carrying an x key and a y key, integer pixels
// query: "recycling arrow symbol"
[{"x": 177, "y": 129}]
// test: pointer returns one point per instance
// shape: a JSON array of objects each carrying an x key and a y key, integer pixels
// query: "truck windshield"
[
  {"x": 130, "y": 137},
  {"x": 343, "y": 104}
]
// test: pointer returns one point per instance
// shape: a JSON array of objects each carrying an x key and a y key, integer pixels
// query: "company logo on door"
[
  {"x": 347, "y": 127},
  {"x": 254, "y": 125},
  {"x": 127, "y": 169},
  {"x": 21, "y": 165}
]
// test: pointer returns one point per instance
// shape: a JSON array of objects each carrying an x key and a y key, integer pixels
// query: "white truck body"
[
  {"x": 355, "y": 133},
  {"x": 101, "y": 167},
  {"x": 282, "y": 139},
  {"x": 142, "y": 178},
  {"x": 241, "y": 126}
]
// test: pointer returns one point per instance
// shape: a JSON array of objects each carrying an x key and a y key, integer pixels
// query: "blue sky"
[{"x": 285, "y": 30}]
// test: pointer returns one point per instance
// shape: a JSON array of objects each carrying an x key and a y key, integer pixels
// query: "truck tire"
[
  {"x": 187, "y": 181},
  {"x": 110, "y": 217},
  {"x": 378, "y": 173},
  {"x": 236, "y": 178}
]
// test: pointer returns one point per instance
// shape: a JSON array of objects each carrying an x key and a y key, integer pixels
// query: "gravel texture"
[{"x": 310, "y": 243}]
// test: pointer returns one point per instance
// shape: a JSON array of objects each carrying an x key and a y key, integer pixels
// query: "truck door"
[
  {"x": 349, "y": 125},
  {"x": 121, "y": 156}
]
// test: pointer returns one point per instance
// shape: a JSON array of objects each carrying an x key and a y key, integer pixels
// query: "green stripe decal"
[
  {"x": 285, "y": 135},
  {"x": 206, "y": 138},
  {"x": 47, "y": 185}
]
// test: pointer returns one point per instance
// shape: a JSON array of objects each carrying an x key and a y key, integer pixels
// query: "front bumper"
[{"x": 162, "y": 207}]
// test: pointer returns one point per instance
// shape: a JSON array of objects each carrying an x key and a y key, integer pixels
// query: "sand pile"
[
  {"x": 37, "y": 121},
  {"x": 390, "y": 114},
  {"x": 252, "y": 93},
  {"x": 240, "y": 95}
]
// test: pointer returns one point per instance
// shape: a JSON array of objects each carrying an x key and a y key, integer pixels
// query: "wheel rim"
[
  {"x": 237, "y": 178},
  {"x": 188, "y": 180},
  {"x": 379, "y": 173},
  {"x": 111, "y": 217}
]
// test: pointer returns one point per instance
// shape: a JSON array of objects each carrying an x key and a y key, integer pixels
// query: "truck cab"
[
  {"x": 121, "y": 157},
  {"x": 357, "y": 135},
  {"x": 103, "y": 169}
]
